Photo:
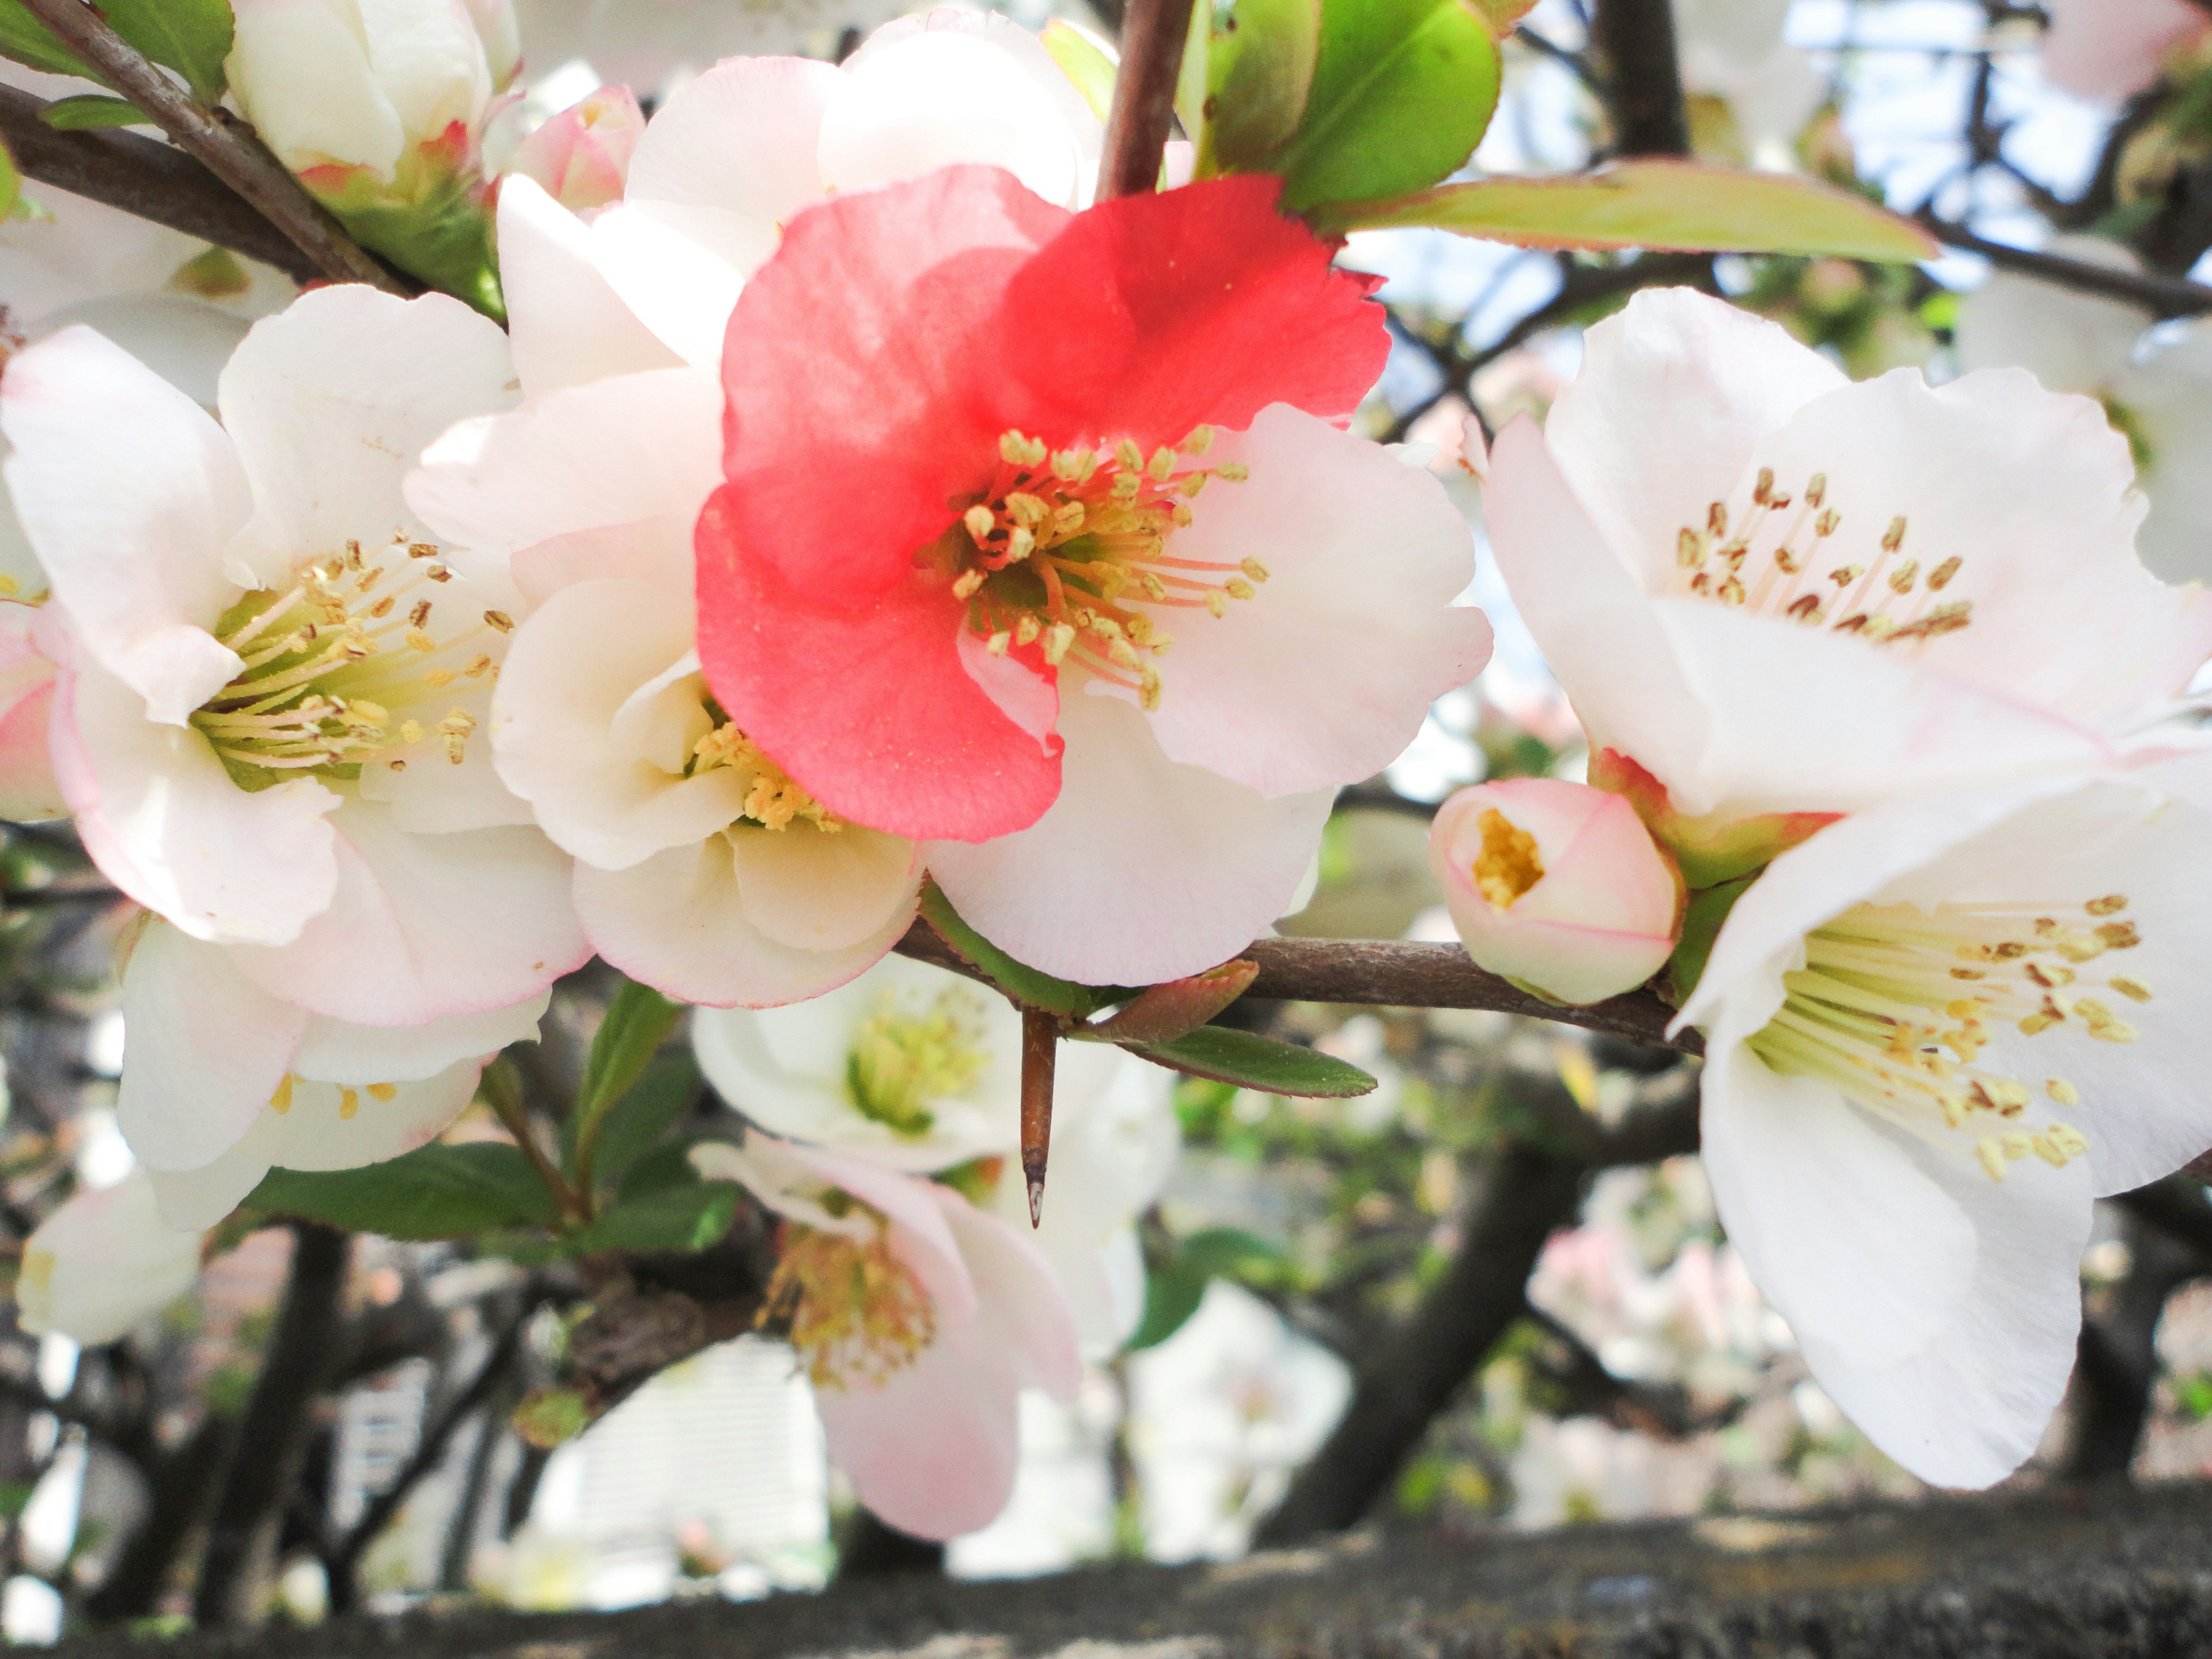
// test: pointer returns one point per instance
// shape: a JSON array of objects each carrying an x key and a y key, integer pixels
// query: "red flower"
[{"x": 927, "y": 381}]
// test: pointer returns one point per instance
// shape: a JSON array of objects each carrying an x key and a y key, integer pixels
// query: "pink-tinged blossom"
[
  {"x": 103, "y": 1264},
  {"x": 1557, "y": 886},
  {"x": 909, "y": 1306},
  {"x": 1770, "y": 592},
  {"x": 29, "y": 792},
  {"x": 581, "y": 155},
  {"x": 270, "y": 679}
]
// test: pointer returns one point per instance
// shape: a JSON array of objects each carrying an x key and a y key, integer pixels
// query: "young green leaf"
[
  {"x": 11, "y": 184},
  {"x": 634, "y": 1124},
  {"x": 91, "y": 109},
  {"x": 1083, "y": 63},
  {"x": 689, "y": 1219},
  {"x": 1402, "y": 92},
  {"x": 1684, "y": 205},
  {"x": 1026, "y": 985},
  {"x": 1173, "y": 1291},
  {"x": 192, "y": 37},
  {"x": 1258, "y": 68},
  {"x": 638, "y": 1021},
  {"x": 26, "y": 40},
  {"x": 1163, "y": 1013},
  {"x": 1251, "y": 1061},
  {"x": 433, "y": 1192}
]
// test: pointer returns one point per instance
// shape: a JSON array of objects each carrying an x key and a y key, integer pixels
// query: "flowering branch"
[
  {"x": 234, "y": 155},
  {"x": 2163, "y": 296},
  {"x": 1152, "y": 36}
]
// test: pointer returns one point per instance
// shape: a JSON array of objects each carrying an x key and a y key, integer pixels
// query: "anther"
[
  {"x": 1894, "y": 537},
  {"x": 965, "y": 584},
  {"x": 500, "y": 620},
  {"x": 980, "y": 521}
]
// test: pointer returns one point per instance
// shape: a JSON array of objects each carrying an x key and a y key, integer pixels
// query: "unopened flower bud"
[
  {"x": 581, "y": 156},
  {"x": 103, "y": 1262},
  {"x": 1556, "y": 886}
]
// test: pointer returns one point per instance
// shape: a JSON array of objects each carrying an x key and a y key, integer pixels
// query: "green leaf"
[
  {"x": 1684, "y": 205},
  {"x": 1701, "y": 926},
  {"x": 192, "y": 37},
  {"x": 1173, "y": 1291},
  {"x": 635, "y": 1123},
  {"x": 1504, "y": 16},
  {"x": 690, "y": 1218},
  {"x": 1026, "y": 985},
  {"x": 1163, "y": 1013},
  {"x": 1259, "y": 67},
  {"x": 638, "y": 1021},
  {"x": 1402, "y": 92},
  {"x": 1251, "y": 1061},
  {"x": 1083, "y": 62},
  {"x": 669, "y": 1164},
  {"x": 26, "y": 40},
  {"x": 91, "y": 109},
  {"x": 11, "y": 184},
  {"x": 548, "y": 1417},
  {"x": 433, "y": 1192}
]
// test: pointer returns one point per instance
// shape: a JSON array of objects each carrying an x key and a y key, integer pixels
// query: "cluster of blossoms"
[{"x": 820, "y": 526}]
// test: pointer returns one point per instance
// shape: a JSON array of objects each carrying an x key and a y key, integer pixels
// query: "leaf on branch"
[
  {"x": 634, "y": 1124},
  {"x": 1164, "y": 1012},
  {"x": 192, "y": 37},
  {"x": 1402, "y": 92},
  {"x": 433, "y": 1192},
  {"x": 1247, "y": 70},
  {"x": 1026, "y": 985},
  {"x": 638, "y": 1021},
  {"x": 1174, "y": 1289},
  {"x": 1251, "y": 1061},
  {"x": 11, "y": 184},
  {"x": 1685, "y": 206},
  {"x": 692, "y": 1218},
  {"x": 1083, "y": 63},
  {"x": 91, "y": 109}
]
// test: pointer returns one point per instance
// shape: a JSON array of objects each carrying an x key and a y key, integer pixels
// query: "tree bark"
[{"x": 1643, "y": 81}]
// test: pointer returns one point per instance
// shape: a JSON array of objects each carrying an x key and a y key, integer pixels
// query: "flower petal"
[
  {"x": 680, "y": 290},
  {"x": 568, "y": 325},
  {"x": 816, "y": 889},
  {"x": 102, "y": 1263},
  {"x": 164, "y": 822},
  {"x": 1144, "y": 869},
  {"x": 677, "y": 922},
  {"x": 205, "y": 1049},
  {"x": 423, "y": 926},
  {"x": 331, "y": 402},
  {"x": 129, "y": 494},
  {"x": 29, "y": 792},
  {"x": 331, "y": 1051},
  {"x": 1325, "y": 675}
]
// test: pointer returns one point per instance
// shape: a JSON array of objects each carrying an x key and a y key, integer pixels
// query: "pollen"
[
  {"x": 856, "y": 1310},
  {"x": 770, "y": 799},
  {"x": 1508, "y": 866},
  {"x": 281, "y": 1101}
]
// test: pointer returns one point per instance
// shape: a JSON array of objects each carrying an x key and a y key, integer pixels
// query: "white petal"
[
  {"x": 1143, "y": 870},
  {"x": 164, "y": 822},
  {"x": 563, "y": 742},
  {"x": 2170, "y": 396},
  {"x": 129, "y": 493},
  {"x": 430, "y": 61},
  {"x": 423, "y": 926},
  {"x": 205, "y": 1048},
  {"x": 731, "y": 155},
  {"x": 102, "y": 1263},
  {"x": 678, "y": 923},
  {"x": 330, "y": 403},
  {"x": 1674, "y": 392},
  {"x": 1324, "y": 676},
  {"x": 940, "y": 98},
  {"x": 2070, "y": 341},
  {"x": 569, "y": 327},
  {"x": 681, "y": 291},
  {"x": 302, "y": 73},
  {"x": 636, "y": 447},
  {"x": 816, "y": 889},
  {"x": 331, "y": 1051}
]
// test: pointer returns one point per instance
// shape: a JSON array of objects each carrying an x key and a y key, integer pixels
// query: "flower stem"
[
  {"x": 501, "y": 1089},
  {"x": 1152, "y": 36}
]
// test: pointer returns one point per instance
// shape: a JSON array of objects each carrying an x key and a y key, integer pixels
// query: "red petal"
[
  {"x": 1152, "y": 314},
  {"x": 868, "y": 707},
  {"x": 861, "y": 369}
]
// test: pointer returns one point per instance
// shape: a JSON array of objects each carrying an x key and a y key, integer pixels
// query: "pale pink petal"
[
  {"x": 423, "y": 926},
  {"x": 164, "y": 822},
  {"x": 1144, "y": 869},
  {"x": 923, "y": 1230},
  {"x": 331, "y": 1051},
  {"x": 1024, "y": 697},
  {"x": 330, "y": 401},
  {"x": 29, "y": 792},
  {"x": 656, "y": 551},
  {"x": 820, "y": 890},
  {"x": 731, "y": 155},
  {"x": 677, "y": 922},
  {"x": 2108, "y": 49},
  {"x": 1324, "y": 676},
  {"x": 205, "y": 1049},
  {"x": 102, "y": 1263},
  {"x": 582, "y": 153},
  {"x": 585, "y": 686},
  {"x": 129, "y": 493},
  {"x": 568, "y": 325},
  {"x": 680, "y": 290},
  {"x": 635, "y": 448},
  {"x": 440, "y": 798}
]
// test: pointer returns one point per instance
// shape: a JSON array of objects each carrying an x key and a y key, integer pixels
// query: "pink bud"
[
  {"x": 582, "y": 154},
  {"x": 1557, "y": 886}
]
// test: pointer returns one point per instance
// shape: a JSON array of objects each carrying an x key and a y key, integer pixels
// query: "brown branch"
[
  {"x": 1152, "y": 35},
  {"x": 1644, "y": 79},
  {"x": 2163, "y": 296},
  {"x": 1396, "y": 974},
  {"x": 145, "y": 177},
  {"x": 234, "y": 155}
]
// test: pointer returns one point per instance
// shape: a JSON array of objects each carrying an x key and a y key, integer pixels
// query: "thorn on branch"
[{"x": 1039, "y": 1052}]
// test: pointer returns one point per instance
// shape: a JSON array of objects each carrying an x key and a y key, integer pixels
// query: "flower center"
[
  {"x": 904, "y": 1057},
  {"x": 1886, "y": 990},
  {"x": 772, "y": 801},
  {"x": 334, "y": 664},
  {"x": 348, "y": 1098},
  {"x": 857, "y": 1312},
  {"x": 1779, "y": 562},
  {"x": 1508, "y": 866},
  {"x": 1067, "y": 551}
]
